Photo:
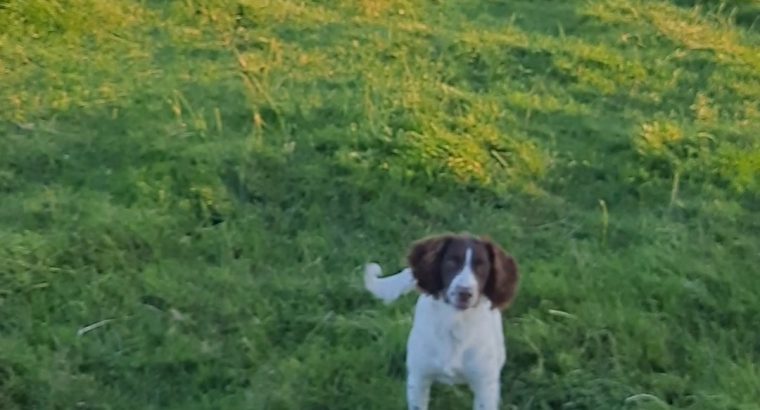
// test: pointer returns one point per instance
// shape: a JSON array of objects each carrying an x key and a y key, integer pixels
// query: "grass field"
[{"x": 189, "y": 188}]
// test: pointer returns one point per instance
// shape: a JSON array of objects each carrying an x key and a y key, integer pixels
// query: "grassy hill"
[{"x": 188, "y": 189}]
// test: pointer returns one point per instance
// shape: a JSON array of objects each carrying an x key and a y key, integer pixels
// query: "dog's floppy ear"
[
  {"x": 501, "y": 286},
  {"x": 425, "y": 260}
]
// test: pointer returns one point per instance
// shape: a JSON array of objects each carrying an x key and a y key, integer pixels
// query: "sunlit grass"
[{"x": 188, "y": 189}]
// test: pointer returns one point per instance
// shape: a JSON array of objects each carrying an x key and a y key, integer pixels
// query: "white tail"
[{"x": 389, "y": 288}]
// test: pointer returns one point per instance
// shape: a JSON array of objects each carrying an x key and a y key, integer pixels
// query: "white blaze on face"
[{"x": 465, "y": 280}]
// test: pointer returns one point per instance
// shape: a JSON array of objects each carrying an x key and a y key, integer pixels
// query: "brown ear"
[
  {"x": 425, "y": 259},
  {"x": 501, "y": 285}
]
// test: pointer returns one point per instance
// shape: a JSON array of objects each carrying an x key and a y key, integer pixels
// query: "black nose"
[{"x": 464, "y": 295}]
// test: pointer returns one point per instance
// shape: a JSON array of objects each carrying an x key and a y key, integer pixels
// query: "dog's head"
[{"x": 462, "y": 268}]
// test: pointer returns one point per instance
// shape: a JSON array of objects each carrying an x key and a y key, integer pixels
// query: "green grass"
[{"x": 203, "y": 179}]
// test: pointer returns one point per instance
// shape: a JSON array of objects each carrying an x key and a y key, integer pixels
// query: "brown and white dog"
[{"x": 457, "y": 334}]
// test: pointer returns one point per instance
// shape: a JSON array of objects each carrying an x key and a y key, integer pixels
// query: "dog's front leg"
[
  {"x": 487, "y": 392},
  {"x": 418, "y": 391}
]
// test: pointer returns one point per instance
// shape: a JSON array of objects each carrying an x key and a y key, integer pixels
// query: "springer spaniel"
[{"x": 457, "y": 334}]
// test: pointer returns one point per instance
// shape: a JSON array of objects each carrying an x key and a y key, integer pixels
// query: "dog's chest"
[
  {"x": 450, "y": 362},
  {"x": 453, "y": 347}
]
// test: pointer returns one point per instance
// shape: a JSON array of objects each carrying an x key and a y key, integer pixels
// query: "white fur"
[
  {"x": 465, "y": 280},
  {"x": 390, "y": 288},
  {"x": 447, "y": 345}
]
